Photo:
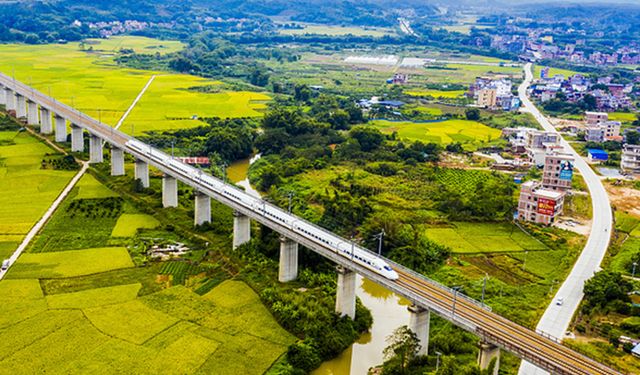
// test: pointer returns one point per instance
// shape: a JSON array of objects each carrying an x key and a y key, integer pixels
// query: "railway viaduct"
[{"x": 427, "y": 296}]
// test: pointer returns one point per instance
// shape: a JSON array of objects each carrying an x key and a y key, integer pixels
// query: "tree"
[
  {"x": 605, "y": 288},
  {"x": 302, "y": 93},
  {"x": 369, "y": 138},
  {"x": 403, "y": 348},
  {"x": 472, "y": 114},
  {"x": 633, "y": 137},
  {"x": 259, "y": 77},
  {"x": 455, "y": 148}
]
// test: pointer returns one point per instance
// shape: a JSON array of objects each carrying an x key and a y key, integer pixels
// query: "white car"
[
  {"x": 559, "y": 301},
  {"x": 6, "y": 264}
]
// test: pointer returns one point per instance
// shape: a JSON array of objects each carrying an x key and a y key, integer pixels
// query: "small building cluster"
[
  {"x": 630, "y": 158},
  {"x": 399, "y": 79},
  {"x": 493, "y": 94},
  {"x": 574, "y": 89},
  {"x": 541, "y": 201}
]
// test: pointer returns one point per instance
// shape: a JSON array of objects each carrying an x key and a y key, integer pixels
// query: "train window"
[{"x": 387, "y": 268}]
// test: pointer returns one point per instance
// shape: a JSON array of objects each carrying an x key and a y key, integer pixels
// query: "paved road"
[{"x": 556, "y": 319}]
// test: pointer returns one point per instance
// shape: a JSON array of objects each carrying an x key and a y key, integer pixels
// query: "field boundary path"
[
  {"x": 556, "y": 318},
  {"x": 54, "y": 206},
  {"x": 135, "y": 102}
]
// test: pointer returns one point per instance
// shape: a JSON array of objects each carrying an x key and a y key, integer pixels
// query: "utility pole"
[
  {"x": 379, "y": 237},
  {"x": 290, "y": 195},
  {"x": 438, "y": 360},
  {"x": 455, "y": 296},
  {"x": 633, "y": 273},
  {"x": 484, "y": 286}
]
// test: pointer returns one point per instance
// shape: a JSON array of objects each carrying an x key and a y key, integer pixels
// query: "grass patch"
[
  {"x": 128, "y": 224},
  {"x": 623, "y": 116},
  {"x": 553, "y": 71},
  {"x": 70, "y": 263}
]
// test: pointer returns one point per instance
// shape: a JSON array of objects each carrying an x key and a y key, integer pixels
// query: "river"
[{"x": 389, "y": 310}]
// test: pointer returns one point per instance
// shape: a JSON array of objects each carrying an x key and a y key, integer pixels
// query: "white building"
[{"x": 630, "y": 160}]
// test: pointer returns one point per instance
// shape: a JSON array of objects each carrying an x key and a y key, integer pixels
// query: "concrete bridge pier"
[
  {"x": 346, "y": 292},
  {"x": 46, "y": 126},
  {"x": 10, "y": 99},
  {"x": 77, "y": 138},
  {"x": 489, "y": 352},
  {"x": 169, "y": 191},
  {"x": 288, "y": 268},
  {"x": 202, "y": 209},
  {"x": 3, "y": 95},
  {"x": 95, "y": 149},
  {"x": 117, "y": 161},
  {"x": 61, "y": 129},
  {"x": 241, "y": 229},
  {"x": 141, "y": 172},
  {"x": 32, "y": 113},
  {"x": 419, "y": 321},
  {"x": 21, "y": 106}
]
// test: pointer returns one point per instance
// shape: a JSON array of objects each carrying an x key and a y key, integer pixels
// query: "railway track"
[{"x": 525, "y": 343}]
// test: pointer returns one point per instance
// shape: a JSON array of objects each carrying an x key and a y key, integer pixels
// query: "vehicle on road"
[
  {"x": 5, "y": 264},
  {"x": 560, "y": 301}
]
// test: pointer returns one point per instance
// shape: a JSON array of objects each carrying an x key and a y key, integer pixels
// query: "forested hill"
[{"x": 69, "y": 20}]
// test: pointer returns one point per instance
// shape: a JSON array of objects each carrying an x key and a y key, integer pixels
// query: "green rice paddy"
[
  {"x": 471, "y": 134},
  {"x": 92, "y": 82},
  {"x": 128, "y": 224}
]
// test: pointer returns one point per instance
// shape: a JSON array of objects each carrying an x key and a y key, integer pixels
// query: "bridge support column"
[
  {"x": 488, "y": 353},
  {"x": 241, "y": 229},
  {"x": 10, "y": 99},
  {"x": 95, "y": 149},
  {"x": 61, "y": 129},
  {"x": 419, "y": 320},
  {"x": 202, "y": 209},
  {"x": 346, "y": 292},
  {"x": 117, "y": 161},
  {"x": 21, "y": 106},
  {"x": 169, "y": 191},
  {"x": 32, "y": 113},
  {"x": 3, "y": 95},
  {"x": 288, "y": 269},
  {"x": 46, "y": 126},
  {"x": 77, "y": 138},
  {"x": 141, "y": 172}
]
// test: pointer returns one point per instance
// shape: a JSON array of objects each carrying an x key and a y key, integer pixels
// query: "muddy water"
[
  {"x": 389, "y": 312},
  {"x": 237, "y": 173},
  {"x": 388, "y": 309}
]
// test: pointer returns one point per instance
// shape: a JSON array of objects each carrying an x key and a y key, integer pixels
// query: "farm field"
[
  {"x": 622, "y": 116},
  {"x": 464, "y": 29},
  {"x": 464, "y": 237},
  {"x": 92, "y": 82},
  {"x": 92, "y": 310},
  {"x": 128, "y": 224},
  {"x": 168, "y": 104},
  {"x": 27, "y": 190},
  {"x": 470, "y": 134},
  {"x": 338, "y": 30},
  {"x": 552, "y": 72},
  {"x": 436, "y": 93}
]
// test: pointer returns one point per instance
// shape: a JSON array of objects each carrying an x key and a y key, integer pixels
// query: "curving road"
[{"x": 556, "y": 319}]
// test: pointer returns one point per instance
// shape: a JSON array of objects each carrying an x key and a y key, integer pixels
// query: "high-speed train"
[{"x": 346, "y": 249}]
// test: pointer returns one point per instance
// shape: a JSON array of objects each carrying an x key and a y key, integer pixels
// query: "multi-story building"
[
  {"x": 557, "y": 173},
  {"x": 539, "y": 205},
  {"x": 630, "y": 160},
  {"x": 595, "y": 118},
  {"x": 594, "y": 134},
  {"x": 486, "y": 98}
]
